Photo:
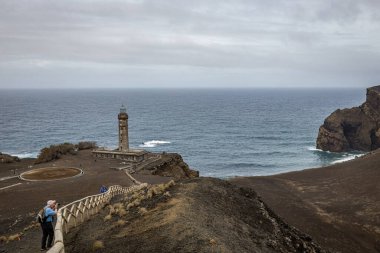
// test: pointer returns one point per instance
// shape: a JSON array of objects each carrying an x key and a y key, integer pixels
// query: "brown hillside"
[
  {"x": 197, "y": 215},
  {"x": 339, "y": 205}
]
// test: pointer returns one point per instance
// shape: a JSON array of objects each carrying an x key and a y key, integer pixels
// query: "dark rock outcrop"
[
  {"x": 171, "y": 165},
  {"x": 353, "y": 129}
]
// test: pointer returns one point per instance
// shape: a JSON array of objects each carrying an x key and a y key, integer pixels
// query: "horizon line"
[{"x": 193, "y": 88}]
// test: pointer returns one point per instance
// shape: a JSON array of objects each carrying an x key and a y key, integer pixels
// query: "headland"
[{"x": 357, "y": 128}]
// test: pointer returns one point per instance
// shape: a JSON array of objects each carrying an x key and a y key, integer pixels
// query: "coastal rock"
[
  {"x": 173, "y": 166},
  {"x": 353, "y": 129}
]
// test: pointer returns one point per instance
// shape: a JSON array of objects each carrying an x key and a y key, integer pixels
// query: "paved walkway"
[{"x": 9, "y": 186}]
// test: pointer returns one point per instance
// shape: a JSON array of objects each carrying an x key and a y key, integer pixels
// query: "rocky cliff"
[
  {"x": 171, "y": 165},
  {"x": 353, "y": 129}
]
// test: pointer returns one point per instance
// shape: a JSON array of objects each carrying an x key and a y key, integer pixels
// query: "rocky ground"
[
  {"x": 339, "y": 205},
  {"x": 196, "y": 215}
]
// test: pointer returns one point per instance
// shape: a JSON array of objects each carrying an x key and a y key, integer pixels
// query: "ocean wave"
[
  {"x": 26, "y": 155},
  {"x": 153, "y": 143},
  {"x": 316, "y": 149},
  {"x": 347, "y": 158},
  {"x": 251, "y": 165}
]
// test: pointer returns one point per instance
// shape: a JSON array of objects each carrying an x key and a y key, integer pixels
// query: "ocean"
[{"x": 222, "y": 132}]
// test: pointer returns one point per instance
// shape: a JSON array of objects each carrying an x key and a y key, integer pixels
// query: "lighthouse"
[
  {"x": 123, "y": 130},
  {"x": 123, "y": 152}
]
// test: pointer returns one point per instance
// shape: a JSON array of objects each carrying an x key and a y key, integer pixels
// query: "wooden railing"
[{"x": 76, "y": 212}]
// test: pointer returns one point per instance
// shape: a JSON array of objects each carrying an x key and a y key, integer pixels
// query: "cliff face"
[
  {"x": 171, "y": 165},
  {"x": 353, "y": 129}
]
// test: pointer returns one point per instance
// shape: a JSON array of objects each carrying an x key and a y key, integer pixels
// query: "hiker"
[
  {"x": 103, "y": 189},
  {"x": 47, "y": 224}
]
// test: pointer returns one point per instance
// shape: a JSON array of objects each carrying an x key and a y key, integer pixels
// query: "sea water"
[{"x": 221, "y": 133}]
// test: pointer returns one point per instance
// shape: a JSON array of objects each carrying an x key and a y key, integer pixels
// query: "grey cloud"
[{"x": 151, "y": 43}]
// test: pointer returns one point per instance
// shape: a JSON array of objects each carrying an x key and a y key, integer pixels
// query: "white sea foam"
[
  {"x": 153, "y": 143},
  {"x": 347, "y": 158},
  {"x": 314, "y": 149},
  {"x": 26, "y": 155}
]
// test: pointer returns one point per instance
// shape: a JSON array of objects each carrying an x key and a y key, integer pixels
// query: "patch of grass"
[
  {"x": 149, "y": 194},
  {"x": 118, "y": 209},
  {"x": 136, "y": 195},
  {"x": 136, "y": 202},
  {"x": 120, "y": 223},
  {"x": 112, "y": 209},
  {"x": 159, "y": 189},
  {"x": 32, "y": 225},
  {"x": 143, "y": 210},
  {"x": 170, "y": 184},
  {"x": 3, "y": 239},
  {"x": 98, "y": 245},
  {"x": 14, "y": 237},
  {"x": 130, "y": 205},
  {"x": 118, "y": 205},
  {"x": 108, "y": 217},
  {"x": 137, "y": 198},
  {"x": 122, "y": 212}
]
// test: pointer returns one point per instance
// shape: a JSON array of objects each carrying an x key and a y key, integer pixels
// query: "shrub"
[
  {"x": 130, "y": 205},
  {"x": 136, "y": 202},
  {"x": 135, "y": 195},
  {"x": 86, "y": 145},
  {"x": 118, "y": 206},
  {"x": 170, "y": 184},
  {"x": 4, "y": 158},
  {"x": 108, "y": 217},
  {"x": 112, "y": 210},
  {"x": 120, "y": 223},
  {"x": 98, "y": 245},
  {"x": 122, "y": 212},
  {"x": 149, "y": 194},
  {"x": 55, "y": 152}
]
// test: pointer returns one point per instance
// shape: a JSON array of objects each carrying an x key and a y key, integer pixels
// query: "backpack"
[{"x": 41, "y": 218}]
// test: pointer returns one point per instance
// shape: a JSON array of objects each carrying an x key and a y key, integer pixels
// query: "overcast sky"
[{"x": 205, "y": 43}]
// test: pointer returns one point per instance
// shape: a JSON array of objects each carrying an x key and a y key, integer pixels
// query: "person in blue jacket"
[
  {"x": 103, "y": 189},
  {"x": 47, "y": 225}
]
